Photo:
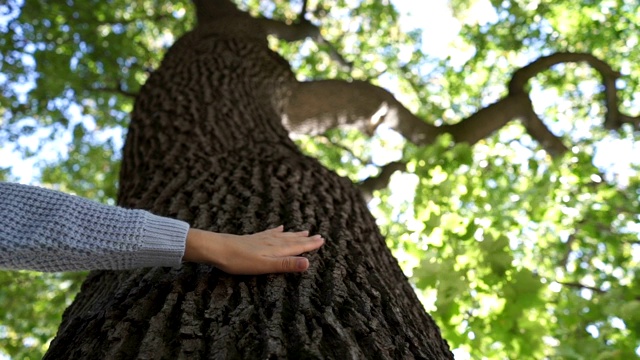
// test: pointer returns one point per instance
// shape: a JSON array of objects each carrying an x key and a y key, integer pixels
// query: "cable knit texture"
[{"x": 48, "y": 230}]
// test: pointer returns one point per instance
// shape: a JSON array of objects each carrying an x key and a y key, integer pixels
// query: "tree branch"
[
  {"x": 489, "y": 119},
  {"x": 633, "y": 120},
  {"x": 301, "y": 30},
  {"x": 318, "y": 106},
  {"x": 303, "y": 10},
  {"x": 369, "y": 185},
  {"x": 225, "y": 14},
  {"x": 344, "y": 148},
  {"x": 581, "y": 286},
  {"x": 614, "y": 118},
  {"x": 334, "y": 54},
  {"x": 208, "y": 11},
  {"x": 541, "y": 133}
]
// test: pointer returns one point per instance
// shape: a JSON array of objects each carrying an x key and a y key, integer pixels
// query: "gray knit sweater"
[{"x": 48, "y": 230}]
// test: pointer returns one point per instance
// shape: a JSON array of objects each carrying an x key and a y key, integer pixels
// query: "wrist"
[
  {"x": 202, "y": 247},
  {"x": 193, "y": 251}
]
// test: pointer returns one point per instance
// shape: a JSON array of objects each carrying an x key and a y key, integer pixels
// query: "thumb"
[{"x": 291, "y": 264}]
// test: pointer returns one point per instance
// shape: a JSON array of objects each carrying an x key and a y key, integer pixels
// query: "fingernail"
[{"x": 301, "y": 264}]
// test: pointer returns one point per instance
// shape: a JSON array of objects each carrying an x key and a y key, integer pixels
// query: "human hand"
[{"x": 269, "y": 251}]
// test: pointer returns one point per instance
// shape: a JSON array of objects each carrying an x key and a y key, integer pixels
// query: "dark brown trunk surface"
[{"x": 206, "y": 145}]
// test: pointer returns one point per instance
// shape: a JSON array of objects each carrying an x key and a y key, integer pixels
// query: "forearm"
[{"x": 50, "y": 231}]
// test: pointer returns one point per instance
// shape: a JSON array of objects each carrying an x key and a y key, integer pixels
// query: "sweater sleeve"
[{"x": 47, "y": 230}]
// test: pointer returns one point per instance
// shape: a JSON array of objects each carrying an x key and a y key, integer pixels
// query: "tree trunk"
[{"x": 206, "y": 145}]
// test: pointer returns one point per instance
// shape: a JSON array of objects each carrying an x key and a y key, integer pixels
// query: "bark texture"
[{"x": 206, "y": 145}]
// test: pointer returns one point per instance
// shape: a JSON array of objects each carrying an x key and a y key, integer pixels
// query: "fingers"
[
  {"x": 281, "y": 256},
  {"x": 280, "y": 233},
  {"x": 294, "y": 245},
  {"x": 271, "y": 251},
  {"x": 277, "y": 229},
  {"x": 308, "y": 244},
  {"x": 290, "y": 264},
  {"x": 304, "y": 233}
]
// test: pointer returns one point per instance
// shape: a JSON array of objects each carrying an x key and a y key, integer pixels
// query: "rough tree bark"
[{"x": 206, "y": 145}]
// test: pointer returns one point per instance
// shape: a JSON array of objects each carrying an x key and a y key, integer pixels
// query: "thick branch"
[
  {"x": 539, "y": 131},
  {"x": 523, "y": 75},
  {"x": 318, "y": 106},
  {"x": 613, "y": 119},
  {"x": 208, "y": 11},
  {"x": 489, "y": 119},
  {"x": 633, "y": 120},
  {"x": 223, "y": 17}
]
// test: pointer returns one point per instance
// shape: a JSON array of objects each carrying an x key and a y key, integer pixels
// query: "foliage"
[
  {"x": 31, "y": 306},
  {"x": 515, "y": 253}
]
